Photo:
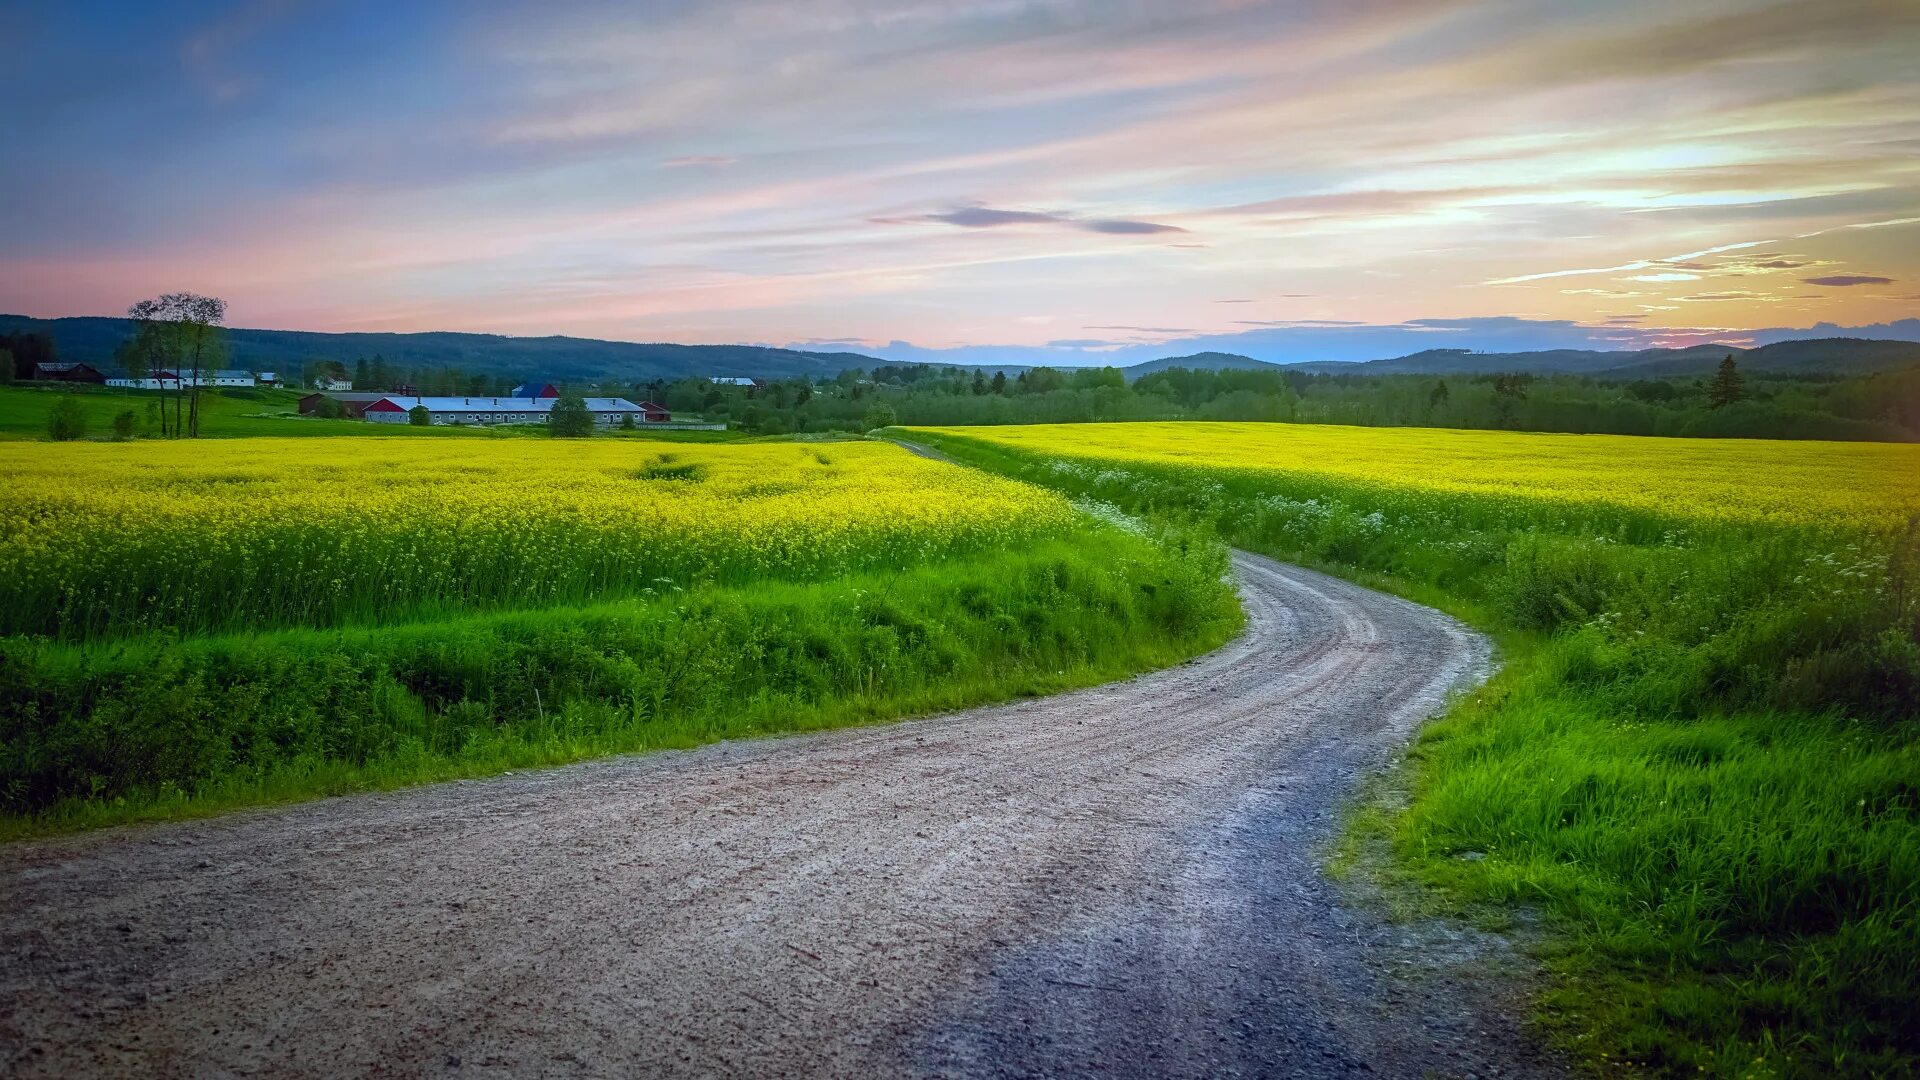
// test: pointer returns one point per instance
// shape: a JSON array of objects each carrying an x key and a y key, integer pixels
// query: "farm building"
[
  {"x": 535, "y": 390},
  {"x": 68, "y": 373},
  {"x": 398, "y": 409},
  {"x": 730, "y": 380},
  {"x": 169, "y": 380},
  {"x": 351, "y": 404}
]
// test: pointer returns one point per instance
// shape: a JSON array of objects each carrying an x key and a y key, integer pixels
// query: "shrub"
[
  {"x": 67, "y": 420},
  {"x": 123, "y": 425}
]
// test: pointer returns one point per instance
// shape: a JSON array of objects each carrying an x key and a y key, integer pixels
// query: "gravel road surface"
[{"x": 1121, "y": 881}]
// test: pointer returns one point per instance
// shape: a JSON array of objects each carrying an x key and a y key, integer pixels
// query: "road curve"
[{"x": 1122, "y": 880}]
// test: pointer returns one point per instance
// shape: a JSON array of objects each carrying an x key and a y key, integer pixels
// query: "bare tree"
[{"x": 184, "y": 327}]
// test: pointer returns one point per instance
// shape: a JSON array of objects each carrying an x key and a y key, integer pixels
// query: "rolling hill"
[
  {"x": 571, "y": 359},
  {"x": 562, "y": 359}
]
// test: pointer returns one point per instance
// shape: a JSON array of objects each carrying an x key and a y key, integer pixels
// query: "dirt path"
[{"x": 1121, "y": 881}]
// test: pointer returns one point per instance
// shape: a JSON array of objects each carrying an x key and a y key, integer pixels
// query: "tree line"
[{"x": 1727, "y": 403}]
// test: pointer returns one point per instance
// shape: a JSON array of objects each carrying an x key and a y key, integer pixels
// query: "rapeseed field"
[{"x": 112, "y": 538}]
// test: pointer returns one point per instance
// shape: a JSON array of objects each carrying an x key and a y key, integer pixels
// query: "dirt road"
[{"x": 1120, "y": 881}]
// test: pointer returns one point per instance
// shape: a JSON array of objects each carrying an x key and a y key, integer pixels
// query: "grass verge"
[{"x": 163, "y": 726}]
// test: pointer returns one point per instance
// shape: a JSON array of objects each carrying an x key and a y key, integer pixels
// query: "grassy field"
[
  {"x": 1702, "y": 759},
  {"x": 193, "y": 626}
]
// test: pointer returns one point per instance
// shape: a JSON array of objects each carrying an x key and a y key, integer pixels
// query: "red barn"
[{"x": 68, "y": 373}]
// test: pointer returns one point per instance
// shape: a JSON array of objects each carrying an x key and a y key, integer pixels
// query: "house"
[
  {"x": 654, "y": 414},
  {"x": 68, "y": 373},
  {"x": 327, "y": 382},
  {"x": 351, "y": 404},
  {"x": 268, "y": 378},
  {"x": 607, "y": 412},
  {"x": 535, "y": 390}
]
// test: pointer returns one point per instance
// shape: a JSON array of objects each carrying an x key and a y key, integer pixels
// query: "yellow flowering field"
[
  {"x": 1734, "y": 480},
  {"x": 257, "y": 532}
]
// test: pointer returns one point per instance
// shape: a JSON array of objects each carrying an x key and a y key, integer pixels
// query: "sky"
[{"x": 1050, "y": 181}]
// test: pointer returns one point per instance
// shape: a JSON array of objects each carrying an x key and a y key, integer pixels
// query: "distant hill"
[
  {"x": 1213, "y": 361},
  {"x": 1832, "y": 356},
  {"x": 571, "y": 359},
  {"x": 560, "y": 359}
]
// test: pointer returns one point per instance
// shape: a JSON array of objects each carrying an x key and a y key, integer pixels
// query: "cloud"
[
  {"x": 987, "y": 217},
  {"x": 1146, "y": 329},
  {"x": 1667, "y": 276},
  {"x": 693, "y": 161},
  {"x": 1123, "y": 227},
  {"x": 1721, "y": 296},
  {"x": 1848, "y": 279},
  {"x": 1082, "y": 343}
]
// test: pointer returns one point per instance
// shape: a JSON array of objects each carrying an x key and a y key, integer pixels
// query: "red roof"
[{"x": 384, "y": 405}]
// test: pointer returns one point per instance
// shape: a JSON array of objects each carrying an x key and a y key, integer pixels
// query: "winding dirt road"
[{"x": 1118, "y": 881}]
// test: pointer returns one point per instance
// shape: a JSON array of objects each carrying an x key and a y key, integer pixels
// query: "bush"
[
  {"x": 881, "y": 416},
  {"x": 418, "y": 416},
  {"x": 123, "y": 425},
  {"x": 67, "y": 421}
]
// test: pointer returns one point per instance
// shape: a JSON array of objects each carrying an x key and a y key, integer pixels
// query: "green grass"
[
  {"x": 164, "y": 726},
  {"x": 1701, "y": 761},
  {"x": 239, "y": 412}
]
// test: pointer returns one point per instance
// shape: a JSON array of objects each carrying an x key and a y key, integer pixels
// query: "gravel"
[{"x": 1123, "y": 881}]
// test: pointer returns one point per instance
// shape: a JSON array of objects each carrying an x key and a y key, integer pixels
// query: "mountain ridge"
[{"x": 562, "y": 358}]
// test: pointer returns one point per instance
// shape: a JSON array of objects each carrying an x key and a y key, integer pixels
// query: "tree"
[
  {"x": 190, "y": 325},
  {"x": 6, "y": 367},
  {"x": 123, "y": 425},
  {"x": 418, "y": 416},
  {"x": 1728, "y": 385},
  {"x": 362, "y": 375},
  {"x": 1508, "y": 392},
  {"x": 1439, "y": 395},
  {"x": 68, "y": 420},
  {"x": 1000, "y": 383},
  {"x": 626, "y": 422},
  {"x": 881, "y": 415},
  {"x": 29, "y": 351},
  {"x": 570, "y": 418}
]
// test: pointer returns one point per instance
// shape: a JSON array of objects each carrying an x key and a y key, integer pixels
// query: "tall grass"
[
  {"x": 1703, "y": 758},
  {"x": 158, "y": 725}
]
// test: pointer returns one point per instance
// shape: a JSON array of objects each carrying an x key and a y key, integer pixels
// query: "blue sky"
[{"x": 1059, "y": 181}]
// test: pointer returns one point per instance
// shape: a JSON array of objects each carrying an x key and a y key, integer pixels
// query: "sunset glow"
[{"x": 1063, "y": 181}]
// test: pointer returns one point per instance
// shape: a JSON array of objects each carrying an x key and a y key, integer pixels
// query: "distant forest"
[{"x": 1726, "y": 404}]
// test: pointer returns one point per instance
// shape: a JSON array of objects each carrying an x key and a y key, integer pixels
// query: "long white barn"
[{"x": 398, "y": 409}]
